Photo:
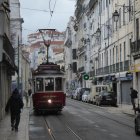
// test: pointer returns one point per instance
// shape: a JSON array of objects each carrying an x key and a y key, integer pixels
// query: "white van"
[{"x": 95, "y": 90}]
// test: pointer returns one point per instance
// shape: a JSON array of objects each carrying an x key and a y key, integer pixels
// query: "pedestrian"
[
  {"x": 26, "y": 97},
  {"x": 15, "y": 104},
  {"x": 134, "y": 95},
  {"x": 29, "y": 92}
]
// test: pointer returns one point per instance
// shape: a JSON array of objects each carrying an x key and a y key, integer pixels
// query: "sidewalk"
[
  {"x": 125, "y": 109},
  {"x": 22, "y": 134}
]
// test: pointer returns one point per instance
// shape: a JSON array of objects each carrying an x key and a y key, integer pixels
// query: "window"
[
  {"x": 124, "y": 14},
  {"x": 74, "y": 54},
  {"x": 110, "y": 56},
  {"x": 117, "y": 54},
  {"x": 120, "y": 52},
  {"x": 113, "y": 54},
  {"x": 120, "y": 17},
  {"x": 39, "y": 84},
  {"x": 124, "y": 52},
  {"x": 58, "y": 84},
  {"x": 74, "y": 67},
  {"x": 49, "y": 84},
  {"x": 137, "y": 28},
  {"x": 106, "y": 3}
]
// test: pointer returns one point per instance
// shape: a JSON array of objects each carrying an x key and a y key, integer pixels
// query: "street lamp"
[{"x": 116, "y": 16}]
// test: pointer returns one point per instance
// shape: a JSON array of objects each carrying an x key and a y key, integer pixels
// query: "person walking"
[
  {"x": 134, "y": 95},
  {"x": 15, "y": 104}
]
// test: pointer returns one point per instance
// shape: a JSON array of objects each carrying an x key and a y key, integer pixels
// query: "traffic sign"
[{"x": 86, "y": 76}]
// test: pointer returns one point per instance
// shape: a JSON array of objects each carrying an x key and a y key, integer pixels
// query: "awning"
[{"x": 121, "y": 74}]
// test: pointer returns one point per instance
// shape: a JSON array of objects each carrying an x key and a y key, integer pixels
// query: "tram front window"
[
  {"x": 58, "y": 84},
  {"x": 39, "y": 84},
  {"x": 49, "y": 84}
]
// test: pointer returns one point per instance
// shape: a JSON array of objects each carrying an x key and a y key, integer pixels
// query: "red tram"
[{"x": 48, "y": 81}]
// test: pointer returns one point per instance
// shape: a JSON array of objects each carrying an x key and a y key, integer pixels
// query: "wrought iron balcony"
[
  {"x": 81, "y": 50},
  {"x": 8, "y": 48},
  {"x": 78, "y": 11},
  {"x": 114, "y": 68},
  {"x": 106, "y": 70},
  {"x": 135, "y": 47},
  {"x": 81, "y": 69},
  {"x": 92, "y": 3},
  {"x": 92, "y": 73}
]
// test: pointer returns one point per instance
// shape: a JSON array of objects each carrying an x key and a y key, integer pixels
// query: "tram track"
[
  {"x": 105, "y": 115},
  {"x": 67, "y": 129},
  {"x": 49, "y": 130}
]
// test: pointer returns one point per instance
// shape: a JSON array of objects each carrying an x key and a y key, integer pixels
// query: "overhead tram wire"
[
  {"x": 51, "y": 12},
  {"x": 40, "y": 10}
]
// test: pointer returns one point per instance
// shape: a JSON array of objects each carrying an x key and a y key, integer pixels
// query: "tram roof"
[{"x": 48, "y": 69}]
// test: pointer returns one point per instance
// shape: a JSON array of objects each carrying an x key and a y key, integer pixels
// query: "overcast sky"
[{"x": 35, "y": 19}]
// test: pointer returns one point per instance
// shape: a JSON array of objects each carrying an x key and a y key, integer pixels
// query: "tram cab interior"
[{"x": 51, "y": 84}]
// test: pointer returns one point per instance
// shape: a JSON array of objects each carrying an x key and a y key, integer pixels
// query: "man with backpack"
[
  {"x": 15, "y": 104},
  {"x": 134, "y": 95}
]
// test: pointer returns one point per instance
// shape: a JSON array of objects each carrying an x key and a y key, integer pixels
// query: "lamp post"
[{"x": 116, "y": 18}]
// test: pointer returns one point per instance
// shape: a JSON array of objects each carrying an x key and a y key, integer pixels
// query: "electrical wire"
[
  {"x": 52, "y": 13},
  {"x": 31, "y": 9}
]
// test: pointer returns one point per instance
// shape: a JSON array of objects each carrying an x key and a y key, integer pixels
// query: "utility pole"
[{"x": 18, "y": 64}]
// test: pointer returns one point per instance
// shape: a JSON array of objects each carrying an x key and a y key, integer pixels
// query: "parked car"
[
  {"x": 85, "y": 96},
  {"x": 106, "y": 98},
  {"x": 95, "y": 90},
  {"x": 72, "y": 94},
  {"x": 76, "y": 93},
  {"x": 81, "y": 92}
]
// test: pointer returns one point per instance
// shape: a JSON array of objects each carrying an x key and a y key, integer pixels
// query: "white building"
[
  {"x": 16, "y": 40},
  {"x": 70, "y": 56},
  {"x": 39, "y": 49},
  {"x": 104, "y": 44}
]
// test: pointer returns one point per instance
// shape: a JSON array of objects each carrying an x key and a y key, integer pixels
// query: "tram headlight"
[{"x": 49, "y": 101}]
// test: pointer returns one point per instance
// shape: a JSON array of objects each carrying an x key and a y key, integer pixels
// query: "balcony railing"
[
  {"x": 81, "y": 50},
  {"x": 114, "y": 68},
  {"x": 106, "y": 70},
  {"x": 7, "y": 46},
  {"x": 92, "y": 73},
  {"x": 81, "y": 69},
  {"x": 92, "y": 3},
  {"x": 135, "y": 46}
]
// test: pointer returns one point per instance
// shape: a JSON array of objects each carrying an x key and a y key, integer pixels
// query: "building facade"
[
  {"x": 107, "y": 34},
  {"x": 7, "y": 65},
  {"x": 38, "y": 49}
]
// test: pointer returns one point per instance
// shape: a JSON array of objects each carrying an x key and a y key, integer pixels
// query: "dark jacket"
[
  {"x": 134, "y": 94},
  {"x": 15, "y": 104}
]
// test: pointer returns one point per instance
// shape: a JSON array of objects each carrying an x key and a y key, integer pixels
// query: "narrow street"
[{"x": 82, "y": 121}]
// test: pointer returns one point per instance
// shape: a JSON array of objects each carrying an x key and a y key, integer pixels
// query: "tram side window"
[
  {"x": 58, "y": 83},
  {"x": 39, "y": 84},
  {"x": 49, "y": 84}
]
